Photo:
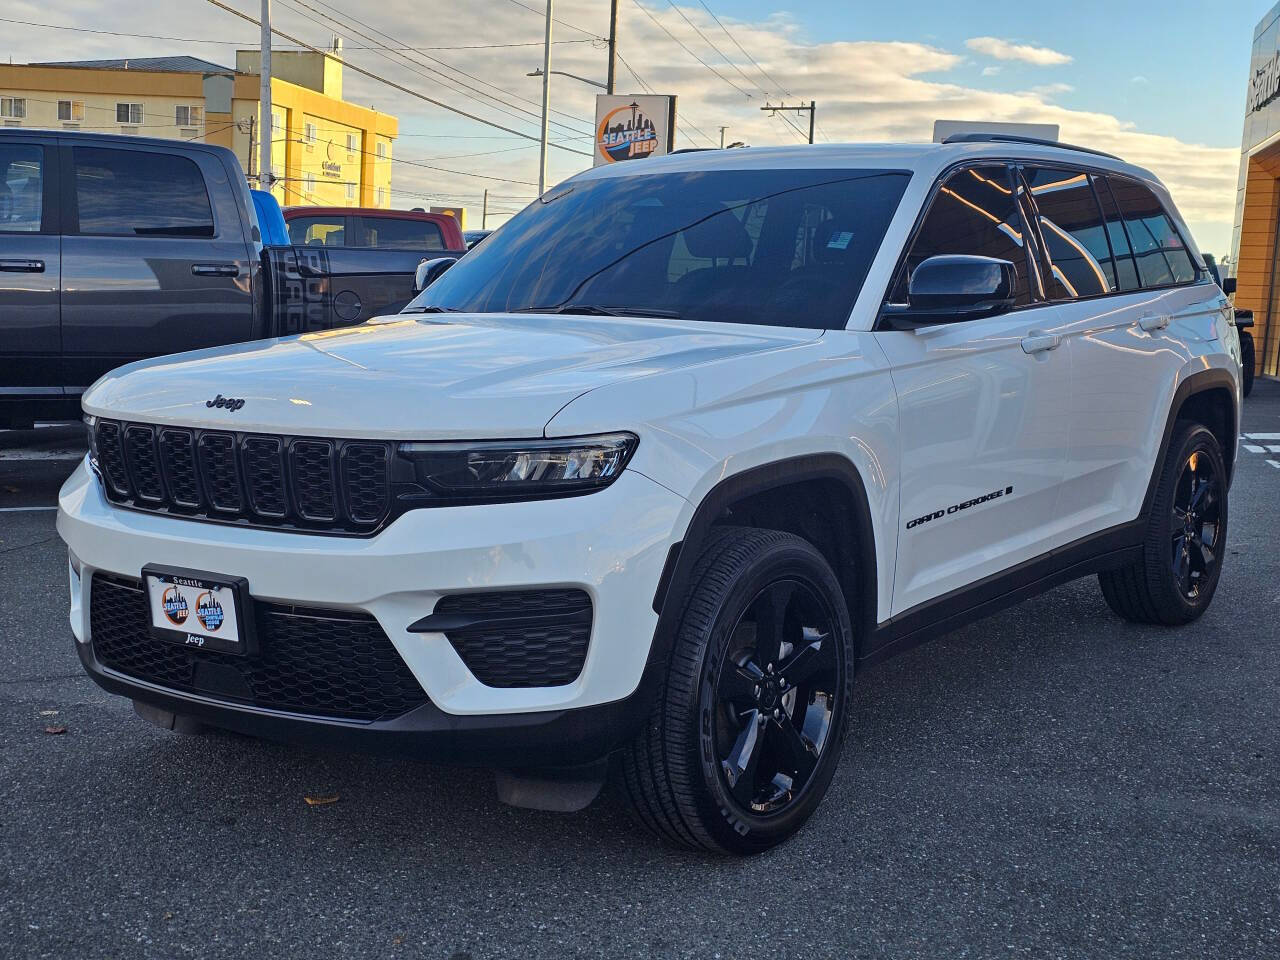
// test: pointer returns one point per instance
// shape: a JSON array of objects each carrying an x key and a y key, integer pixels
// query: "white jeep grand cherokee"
[{"x": 652, "y": 472}]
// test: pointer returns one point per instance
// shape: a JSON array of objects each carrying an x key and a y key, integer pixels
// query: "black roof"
[{"x": 177, "y": 64}]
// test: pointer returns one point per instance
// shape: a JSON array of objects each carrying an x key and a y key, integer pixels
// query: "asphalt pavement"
[{"x": 1049, "y": 782}]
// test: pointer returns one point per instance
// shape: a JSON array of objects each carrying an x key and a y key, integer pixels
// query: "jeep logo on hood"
[{"x": 228, "y": 402}]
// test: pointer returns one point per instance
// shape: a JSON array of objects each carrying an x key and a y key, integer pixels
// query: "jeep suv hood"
[{"x": 440, "y": 376}]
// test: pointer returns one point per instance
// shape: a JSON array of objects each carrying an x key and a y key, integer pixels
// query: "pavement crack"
[{"x": 26, "y": 546}]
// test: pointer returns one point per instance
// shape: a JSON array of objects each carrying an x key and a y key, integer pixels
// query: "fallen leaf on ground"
[
  {"x": 57, "y": 730},
  {"x": 48, "y": 713},
  {"x": 321, "y": 801}
]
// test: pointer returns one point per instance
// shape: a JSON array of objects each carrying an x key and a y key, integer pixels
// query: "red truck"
[{"x": 372, "y": 227}]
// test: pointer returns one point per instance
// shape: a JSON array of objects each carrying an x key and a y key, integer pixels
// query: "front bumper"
[{"x": 612, "y": 544}]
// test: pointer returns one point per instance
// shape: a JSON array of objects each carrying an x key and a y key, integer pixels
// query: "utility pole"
[
  {"x": 266, "y": 129},
  {"x": 484, "y": 211},
  {"x": 613, "y": 45},
  {"x": 722, "y": 130},
  {"x": 811, "y": 107},
  {"x": 546, "y": 104}
]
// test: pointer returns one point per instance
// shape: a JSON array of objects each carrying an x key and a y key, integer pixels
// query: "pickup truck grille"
[{"x": 305, "y": 483}]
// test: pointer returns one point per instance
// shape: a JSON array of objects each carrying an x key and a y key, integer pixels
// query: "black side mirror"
[
  {"x": 429, "y": 271},
  {"x": 1228, "y": 285},
  {"x": 955, "y": 287}
]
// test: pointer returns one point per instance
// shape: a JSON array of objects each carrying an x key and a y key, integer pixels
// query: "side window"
[
  {"x": 398, "y": 232},
  {"x": 1126, "y": 269},
  {"x": 137, "y": 193},
  {"x": 21, "y": 188},
  {"x": 1160, "y": 254},
  {"x": 974, "y": 212},
  {"x": 318, "y": 231},
  {"x": 1074, "y": 233}
]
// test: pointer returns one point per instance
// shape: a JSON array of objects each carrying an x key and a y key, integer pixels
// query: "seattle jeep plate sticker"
[{"x": 195, "y": 612}]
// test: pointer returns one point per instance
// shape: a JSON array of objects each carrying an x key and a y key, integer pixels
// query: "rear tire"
[
  {"x": 1175, "y": 580},
  {"x": 1246, "y": 362},
  {"x": 745, "y": 735}
]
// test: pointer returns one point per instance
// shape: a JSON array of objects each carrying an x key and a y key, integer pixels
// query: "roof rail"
[{"x": 1013, "y": 138}]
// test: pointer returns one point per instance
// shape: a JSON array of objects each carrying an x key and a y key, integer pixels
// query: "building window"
[
  {"x": 382, "y": 151},
  {"x": 189, "y": 116},
  {"x": 351, "y": 193},
  {"x": 309, "y": 183},
  {"x": 71, "y": 111},
  {"x": 277, "y": 123},
  {"x": 353, "y": 143},
  {"x": 309, "y": 132},
  {"x": 382, "y": 197},
  {"x": 129, "y": 113},
  {"x": 13, "y": 108}
]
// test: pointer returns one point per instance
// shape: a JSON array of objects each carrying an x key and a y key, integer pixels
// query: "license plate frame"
[{"x": 195, "y": 632}]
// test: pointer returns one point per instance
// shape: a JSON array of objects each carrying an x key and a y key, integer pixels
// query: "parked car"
[
  {"x": 117, "y": 248},
  {"x": 1243, "y": 322},
  {"x": 473, "y": 237},
  {"x": 783, "y": 413},
  {"x": 275, "y": 232},
  {"x": 425, "y": 234}
]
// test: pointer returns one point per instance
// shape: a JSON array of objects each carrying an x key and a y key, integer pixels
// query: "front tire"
[
  {"x": 1186, "y": 537},
  {"x": 746, "y": 734}
]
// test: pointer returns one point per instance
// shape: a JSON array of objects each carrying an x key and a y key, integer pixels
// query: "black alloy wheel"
[
  {"x": 775, "y": 697},
  {"x": 1196, "y": 524}
]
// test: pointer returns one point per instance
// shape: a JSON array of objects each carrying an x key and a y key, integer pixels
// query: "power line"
[
  {"x": 448, "y": 66},
  {"x": 396, "y": 86},
  {"x": 563, "y": 23},
  {"x": 708, "y": 42},
  {"x": 245, "y": 44},
  {"x": 734, "y": 40},
  {"x": 683, "y": 47},
  {"x": 681, "y": 118}
]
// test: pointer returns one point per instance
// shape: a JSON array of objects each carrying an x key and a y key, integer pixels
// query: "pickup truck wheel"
[
  {"x": 1175, "y": 580},
  {"x": 745, "y": 736},
  {"x": 1246, "y": 362}
]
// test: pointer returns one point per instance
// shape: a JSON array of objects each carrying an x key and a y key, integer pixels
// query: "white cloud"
[
  {"x": 865, "y": 90},
  {"x": 1007, "y": 50},
  {"x": 1139, "y": 79},
  {"x": 990, "y": 71},
  {"x": 1047, "y": 91}
]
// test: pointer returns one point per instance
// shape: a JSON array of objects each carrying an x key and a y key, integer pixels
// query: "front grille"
[
  {"x": 338, "y": 486},
  {"x": 328, "y": 663},
  {"x": 521, "y": 638}
]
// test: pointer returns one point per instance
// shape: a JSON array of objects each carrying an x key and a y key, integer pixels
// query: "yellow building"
[{"x": 325, "y": 151}]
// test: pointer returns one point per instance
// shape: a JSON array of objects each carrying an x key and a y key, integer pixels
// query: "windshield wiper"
[
  {"x": 595, "y": 310},
  {"x": 432, "y": 309}
]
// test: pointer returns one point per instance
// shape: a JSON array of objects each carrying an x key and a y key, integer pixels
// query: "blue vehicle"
[{"x": 275, "y": 233}]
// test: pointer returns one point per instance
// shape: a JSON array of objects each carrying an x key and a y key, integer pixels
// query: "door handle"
[
  {"x": 1038, "y": 342},
  {"x": 21, "y": 266},
  {"x": 216, "y": 269},
  {"x": 1154, "y": 321}
]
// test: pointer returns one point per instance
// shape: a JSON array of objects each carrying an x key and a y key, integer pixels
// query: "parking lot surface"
[{"x": 1049, "y": 782}]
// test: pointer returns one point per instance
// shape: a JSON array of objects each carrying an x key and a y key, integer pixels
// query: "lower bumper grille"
[
  {"x": 520, "y": 638},
  {"x": 329, "y": 663}
]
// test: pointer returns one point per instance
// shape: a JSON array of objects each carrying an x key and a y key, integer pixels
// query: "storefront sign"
[
  {"x": 1265, "y": 84},
  {"x": 331, "y": 169},
  {"x": 633, "y": 127}
]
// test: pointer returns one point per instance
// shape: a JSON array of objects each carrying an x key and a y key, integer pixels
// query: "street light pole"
[
  {"x": 546, "y": 104},
  {"x": 266, "y": 129},
  {"x": 613, "y": 44}
]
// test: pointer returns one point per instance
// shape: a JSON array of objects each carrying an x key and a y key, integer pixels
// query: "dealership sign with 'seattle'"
[{"x": 1265, "y": 85}]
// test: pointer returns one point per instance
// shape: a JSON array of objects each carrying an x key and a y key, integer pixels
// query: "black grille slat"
[
  {"x": 144, "y": 464},
  {"x": 264, "y": 476},
  {"x": 311, "y": 661},
  {"x": 364, "y": 481},
  {"x": 305, "y": 483},
  {"x": 178, "y": 463},
  {"x": 311, "y": 475},
  {"x": 111, "y": 457},
  {"x": 545, "y": 653}
]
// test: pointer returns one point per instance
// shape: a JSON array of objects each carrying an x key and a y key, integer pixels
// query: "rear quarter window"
[{"x": 1161, "y": 256}]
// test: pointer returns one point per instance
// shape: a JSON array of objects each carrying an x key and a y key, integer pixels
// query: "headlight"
[
  {"x": 518, "y": 469},
  {"x": 90, "y": 422}
]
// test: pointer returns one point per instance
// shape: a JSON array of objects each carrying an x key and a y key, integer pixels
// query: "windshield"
[{"x": 776, "y": 247}]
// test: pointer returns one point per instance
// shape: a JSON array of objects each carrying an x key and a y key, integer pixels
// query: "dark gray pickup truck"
[{"x": 117, "y": 248}]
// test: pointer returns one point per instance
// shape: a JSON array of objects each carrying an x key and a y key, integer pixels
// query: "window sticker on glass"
[{"x": 840, "y": 240}]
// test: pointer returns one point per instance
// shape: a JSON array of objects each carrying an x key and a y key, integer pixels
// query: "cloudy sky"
[{"x": 1162, "y": 84}]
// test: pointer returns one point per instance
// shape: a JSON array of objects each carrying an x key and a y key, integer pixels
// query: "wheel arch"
[
  {"x": 1208, "y": 397},
  {"x": 820, "y": 497}
]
